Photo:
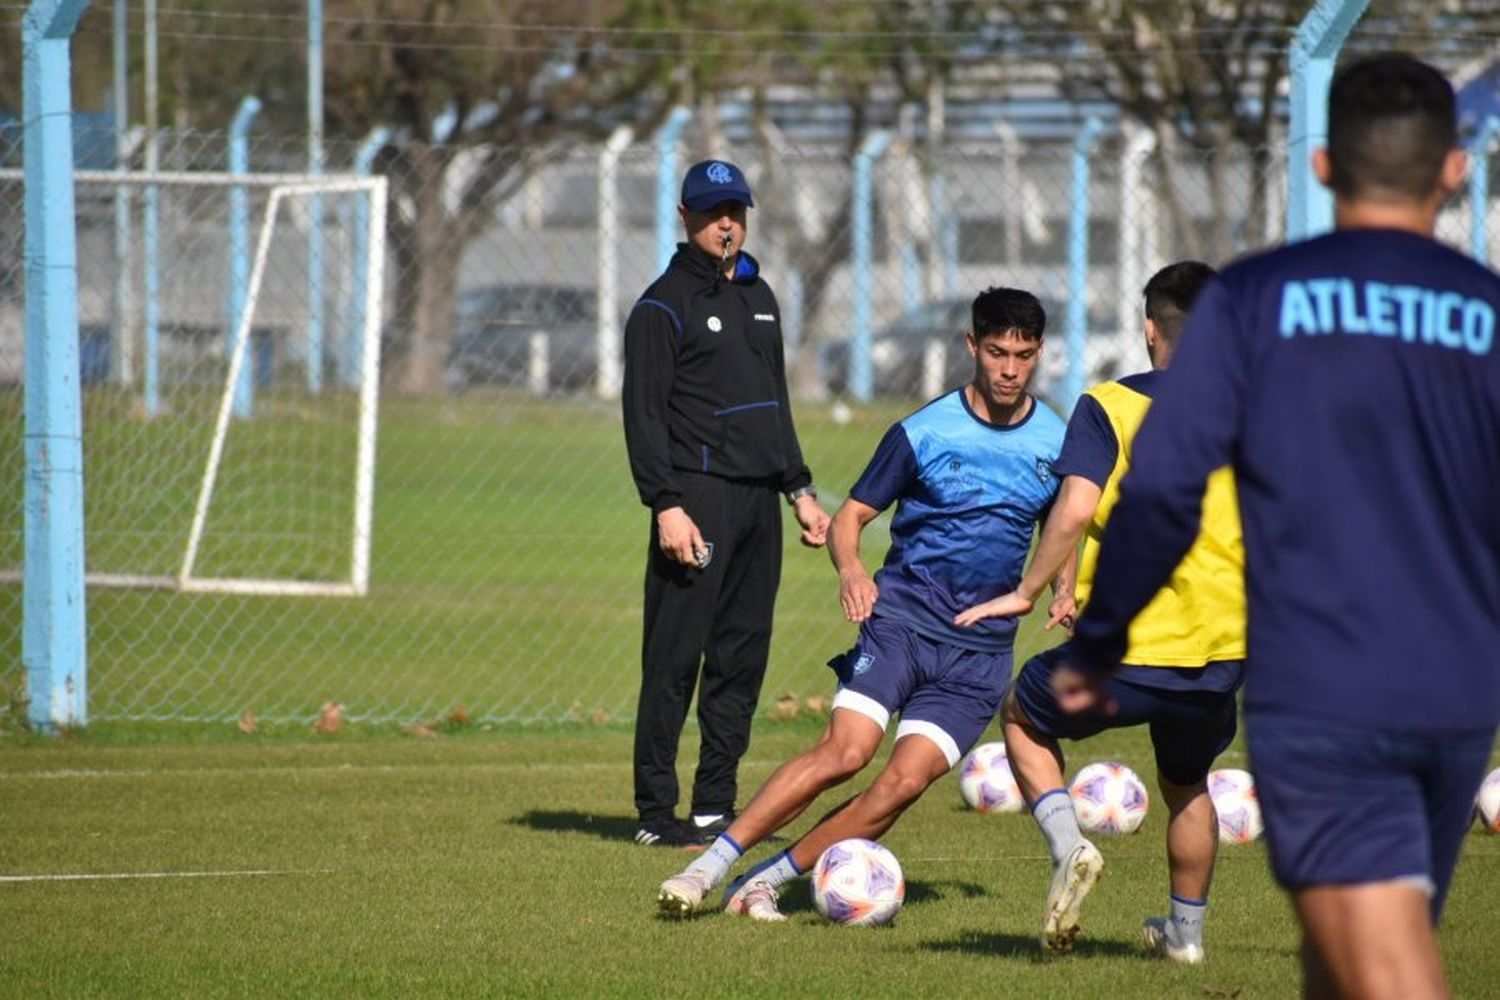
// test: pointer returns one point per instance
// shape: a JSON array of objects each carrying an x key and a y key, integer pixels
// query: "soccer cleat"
[
  {"x": 1072, "y": 880},
  {"x": 669, "y": 832},
  {"x": 1158, "y": 943},
  {"x": 753, "y": 898},
  {"x": 682, "y": 895}
]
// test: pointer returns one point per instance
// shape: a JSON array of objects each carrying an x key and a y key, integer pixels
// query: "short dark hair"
[
  {"x": 1170, "y": 294},
  {"x": 998, "y": 310},
  {"x": 1391, "y": 123}
]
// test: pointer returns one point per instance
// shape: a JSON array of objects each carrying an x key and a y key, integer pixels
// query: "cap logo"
[{"x": 719, "y": 173}]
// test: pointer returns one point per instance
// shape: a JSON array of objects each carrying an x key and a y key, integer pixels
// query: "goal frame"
[{"x": 278, "y": 188}]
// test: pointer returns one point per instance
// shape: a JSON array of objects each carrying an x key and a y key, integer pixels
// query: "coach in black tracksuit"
[{"x": 712, "y": 448}]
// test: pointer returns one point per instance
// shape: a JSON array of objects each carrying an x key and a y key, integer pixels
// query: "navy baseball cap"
[{"x": 713, "y": 181}]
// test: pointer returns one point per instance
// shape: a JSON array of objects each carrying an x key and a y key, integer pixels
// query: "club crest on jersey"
[
  {"x": 715, "y": 324},
  {"x": 1044, "y": 471},
  {"x": 862, "y": 663}
]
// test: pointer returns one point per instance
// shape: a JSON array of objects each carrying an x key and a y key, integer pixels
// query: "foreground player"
[
  {"x": 971, "y": 474},
  {"x": 1354, "y": 382},
  {"x": 1183, "y": 666}
]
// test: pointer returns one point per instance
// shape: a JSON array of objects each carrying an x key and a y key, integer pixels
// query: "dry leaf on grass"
[
  {"x": 331, "y": 718},
  {"x": 421, "y": 730},
  {"x": 819, "y": 704},
  {"x": 459, "y": 716},
  {"x": 785, "y": 708},
  {"x": 248, "y": 724}
]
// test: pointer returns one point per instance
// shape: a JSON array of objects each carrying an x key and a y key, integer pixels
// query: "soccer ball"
[
  {"x": 1233, "y": 792},
  {"x": 986, "y": 783},
  {"x": 858, "y": 883},
  {"x": 1487, "y": 803},
  {"x": 1109, "y": 798}
]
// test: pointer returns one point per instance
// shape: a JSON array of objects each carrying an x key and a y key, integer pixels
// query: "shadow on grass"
[
  {"x": 1025, "y": 947},
  {"x": 620, "y": 828}
]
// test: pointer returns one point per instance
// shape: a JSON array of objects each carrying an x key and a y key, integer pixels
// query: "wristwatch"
[{"x": 800, "y": 492}]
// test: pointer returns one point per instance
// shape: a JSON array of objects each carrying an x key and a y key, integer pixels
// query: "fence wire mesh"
[{"x": 508, "y": 544}]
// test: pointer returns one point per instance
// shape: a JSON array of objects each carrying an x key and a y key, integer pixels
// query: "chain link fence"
[{"x": 508, "y": 547}]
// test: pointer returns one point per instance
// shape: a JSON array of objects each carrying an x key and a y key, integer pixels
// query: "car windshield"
[{"x": 526, "y": 304}]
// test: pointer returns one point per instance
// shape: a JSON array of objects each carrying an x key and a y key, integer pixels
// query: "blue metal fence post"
[
  {"x": 353, "y": 356},
  {"x": 54, "y": 623},
  {"x": 667, "y": 189},
  {"x": 315, "y": 202},
  {"x": 1309, "y": 207},
  {"x": 860, "y": 373},
  {"x": 239, "y": 249},
  {"x": 1078, "y": 263},
  {"x": 1479, "y": 190}
]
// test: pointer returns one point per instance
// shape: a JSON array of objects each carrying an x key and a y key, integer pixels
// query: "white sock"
[
  {"x": 1054, "y": 814},
  {"x": 776, "y": 871},
  {"x": 1186, "y": 923},
  {"x": 716, "y": 861}
]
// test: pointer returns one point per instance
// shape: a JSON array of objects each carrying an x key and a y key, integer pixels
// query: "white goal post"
[{"x": 274, "y": 193}]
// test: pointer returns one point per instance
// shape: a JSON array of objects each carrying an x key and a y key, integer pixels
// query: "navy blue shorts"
[
  {"x": 1350, "y": 806},
  {"x": 1188, "y": 728},
  {"x": 944, "y": 692}
]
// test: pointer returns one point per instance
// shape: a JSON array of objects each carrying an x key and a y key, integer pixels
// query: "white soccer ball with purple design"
[
  {"x": 1233, "y": 792},
  {"x": 1487, "y": 802},
  {"x": 1109, "y": 798},
  {"x": 986, "y": 782},
  {"x": 858, "y": 883}
]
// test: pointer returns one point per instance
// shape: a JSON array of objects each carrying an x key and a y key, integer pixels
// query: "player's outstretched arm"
[
  {"x": 1071, "y": 513},
  {"x": 857, "y": 591}
]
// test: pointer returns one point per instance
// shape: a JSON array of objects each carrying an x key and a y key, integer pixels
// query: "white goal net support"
[{"x": 230, "y": 329}]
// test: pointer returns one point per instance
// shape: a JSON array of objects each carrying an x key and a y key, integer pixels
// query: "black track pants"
[{"x": 718, "y": 621}]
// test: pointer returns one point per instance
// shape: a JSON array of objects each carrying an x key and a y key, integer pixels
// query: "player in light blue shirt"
[{"x": 971, "y": 476}]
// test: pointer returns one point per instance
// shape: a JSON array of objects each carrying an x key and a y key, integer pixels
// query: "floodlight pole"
[
  {"x": 54, "y": 624},
  {"x": 1309, "y": 207}
]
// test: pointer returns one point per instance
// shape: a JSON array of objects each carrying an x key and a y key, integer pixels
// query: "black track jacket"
[{"x": 705, "y": 381}]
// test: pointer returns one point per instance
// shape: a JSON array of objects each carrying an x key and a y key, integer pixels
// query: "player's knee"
[
  {"x": 839, "y": 762},
  {"x": 900, "y": 788}
]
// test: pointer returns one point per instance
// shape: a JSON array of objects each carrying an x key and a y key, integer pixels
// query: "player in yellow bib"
[{"x": 1184, "y": 663}]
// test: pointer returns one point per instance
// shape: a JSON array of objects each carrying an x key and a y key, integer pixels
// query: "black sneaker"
[
  {"x": 669, "y": 832},
  {"x": 710, "y": 832}
]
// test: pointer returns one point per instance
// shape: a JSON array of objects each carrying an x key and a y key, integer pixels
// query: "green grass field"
[{"x": 498, "y": 863}]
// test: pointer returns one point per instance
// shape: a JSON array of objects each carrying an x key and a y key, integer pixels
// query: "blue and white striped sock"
[
  {"x": 716, "y": 861},
  {"x": 1054, "y": 814},
  {"x": 776, "y": 871},
  {"x": 1186, "y": 925}
]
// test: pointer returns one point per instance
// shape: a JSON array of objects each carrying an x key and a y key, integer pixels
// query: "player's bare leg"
[
  {"x": 916, "y": 762},
  {"x": 1371, "y": 941},
  {"x": 845, "y": 748},
  {"x": 1192, "y": 842},
  {"x": 1036, "y": 761}
]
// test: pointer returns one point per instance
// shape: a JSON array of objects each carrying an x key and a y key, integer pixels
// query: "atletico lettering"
[{"x": 1409, "y": 313}]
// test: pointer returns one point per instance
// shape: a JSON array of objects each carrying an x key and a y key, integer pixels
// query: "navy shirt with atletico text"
[{"x": 1353, "y": 380}]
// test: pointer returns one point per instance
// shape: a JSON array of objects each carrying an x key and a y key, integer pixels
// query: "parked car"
[
  {"x": 523, "y": 334},
  {"x": 922, "y": 353}
]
